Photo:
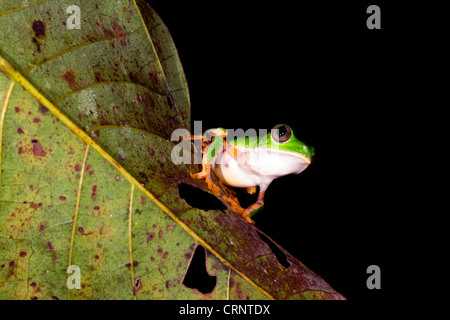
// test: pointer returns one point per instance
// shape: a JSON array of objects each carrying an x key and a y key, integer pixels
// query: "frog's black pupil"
[{"x": 282, "y": 131}]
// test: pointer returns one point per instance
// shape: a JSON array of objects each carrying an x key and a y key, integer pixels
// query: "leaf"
[{"x": 86, "y": 171}]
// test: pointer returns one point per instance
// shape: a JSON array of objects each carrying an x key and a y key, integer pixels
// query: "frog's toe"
[
  {"x": 249, "y": 220},
  {"x": 198, "y": 175}
]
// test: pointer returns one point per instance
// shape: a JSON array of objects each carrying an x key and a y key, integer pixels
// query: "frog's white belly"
[{"x": 258, "y": 167}]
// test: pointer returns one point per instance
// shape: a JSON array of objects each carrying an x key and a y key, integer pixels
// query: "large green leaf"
[{"x": 86, "y": 171}]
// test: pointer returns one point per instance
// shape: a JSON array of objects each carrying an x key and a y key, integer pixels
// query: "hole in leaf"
[
  {"x": 199, "y": 199},
  {"x": 137, "y": 284},
  {"x": 170, "y": 102},
  {"x": 281, "y": 256},
  {"x": 196, "y": 276}
]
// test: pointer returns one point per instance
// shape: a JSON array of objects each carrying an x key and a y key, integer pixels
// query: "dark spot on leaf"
[
  {"x": 37, "y": 120},
  {"x": 94, "y": 190},
  {"x": 50, "y": 245},
  {"x": 167, "y": 284},
  {"x": 37, "y": 149},
  {"x": 143, "y": 200},
  {"x": 196, "y": 276},
  {"x": 11, "y": 263},
  {"x": 282, "y": 259},
  {"x": 88, "y": 167},
  {"x": 62, "y": 198},
  {"x": 22, "y": 254},
  {"x": 77, "y": 167},
  {"x": 151, "y": 151},
  {"x": 81, "y": 230},
  {"x": 34, "y": 205},
  {"x": 17, "y": 109},
  {"x": 173, "y": 123},
  {"x": 98, "y": 76},
  {"x": 90, "y": 38},
  {"x": 144, "y": 177},
  {"x": 118, "y": 178},
  {"x": 34, "y": 298},
  {"x": 150, "y": 236},
  {"x": 55, "y": 298},
  {"x": 33, "y": 284},
  {"x": 20, "y": 131},
  {"x": 39, "y": 29},
  {"x": 165, "y": 255},
  {"x": 20, "y": 150},
  {"x": 41, "y": 227},
  {"x": 96, "y": 208},
  {"x": 198, "y": 198},
  {"x": 43, "y": 109},
  {"x": 38, "y": 45},
  {"x": 239, "y": 290},
  {"x": 119, "y": 32},
  {"x": 160, "y": 233},
  {"x": 96, "y": 257},
  {"x": 69, "y": 77}
]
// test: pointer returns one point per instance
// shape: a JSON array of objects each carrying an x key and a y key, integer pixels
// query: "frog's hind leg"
[{"x": 254, "y": 207}]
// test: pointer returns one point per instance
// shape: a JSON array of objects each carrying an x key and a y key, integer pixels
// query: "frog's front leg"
[
  {"x": 206, "y": 170},
  {"x": 210, "y": 152}
]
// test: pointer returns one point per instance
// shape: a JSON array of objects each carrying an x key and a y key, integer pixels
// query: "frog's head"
[
  {"x": 296, "y": 155},
  {"x": 283, "y": 137}
]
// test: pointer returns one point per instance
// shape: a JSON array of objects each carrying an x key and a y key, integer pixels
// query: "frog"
[{"x": 250, "y": 163}]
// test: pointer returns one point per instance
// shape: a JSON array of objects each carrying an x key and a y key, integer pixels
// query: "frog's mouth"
[
  {"x": 281, "y": 162},
  {"x": 290, "y": 154}
]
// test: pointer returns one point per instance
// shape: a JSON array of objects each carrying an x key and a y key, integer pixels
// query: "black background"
[{"x": 316, "y": 67}]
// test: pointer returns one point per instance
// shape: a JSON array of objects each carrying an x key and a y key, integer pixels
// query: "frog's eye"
[{"x": 281, "y": 133}]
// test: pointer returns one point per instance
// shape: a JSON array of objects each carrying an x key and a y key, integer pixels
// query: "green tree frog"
[{"x": 251, "y": 162}]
